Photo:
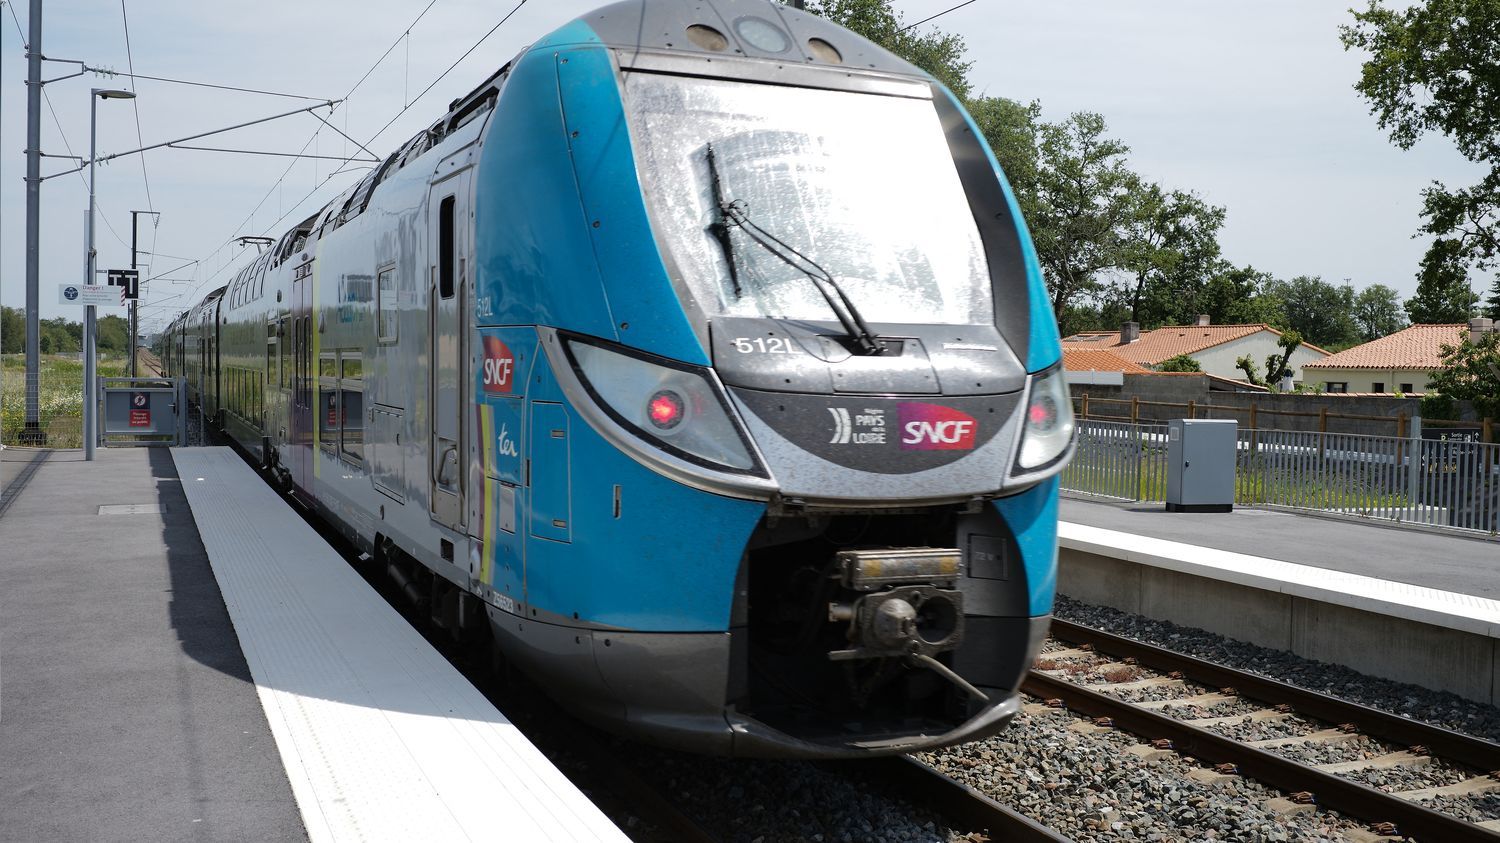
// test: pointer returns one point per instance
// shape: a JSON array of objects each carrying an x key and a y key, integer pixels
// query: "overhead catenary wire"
[
  {"x": 311, "y": 139},
  {"x": 135, "y": 104},
  {"x": 931, "y": 18}
]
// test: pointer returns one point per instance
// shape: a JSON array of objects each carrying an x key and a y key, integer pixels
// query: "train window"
[
  {"x": 285, "y": 342},
  {"x": 352, "y": 418},
  {"x": 353, "y": 367},
  {"x": 445, "y": 248},
  {"x": 271, "y": 352},
  {"x": 385, "y": 303},
  {"x": 328, "y": 401},
  {"x": 328, "y": 366}
]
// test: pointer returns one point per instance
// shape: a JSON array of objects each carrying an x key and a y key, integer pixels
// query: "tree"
[
  {"x": 1171, "y": 246},
  {"x": 1435, "y": 67},
  {"x": 1320, "y": 312},
  {"x": 1085, "y": 198},
  {"x": 937, "y": 52},
  {"x": 1180, "y": 363},
  {"x": 1471, "y": 371},
  {"x": 1241, "y": 296},
  {"x": 1492, "y": 304},
  {"x": 1377, "y": 312},
  {"x": 12, "y": 330},
  {"x": 1277, "y": 365},
  {"x": 1443, "y": 292}
]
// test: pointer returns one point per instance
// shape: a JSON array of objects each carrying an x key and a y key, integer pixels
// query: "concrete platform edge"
[{"x": 1434, "y": 639}]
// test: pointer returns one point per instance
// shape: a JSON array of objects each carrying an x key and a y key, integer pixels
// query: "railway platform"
[
  {"x": 184, "y": 658},
  {"x": 1409, "y": 605}
]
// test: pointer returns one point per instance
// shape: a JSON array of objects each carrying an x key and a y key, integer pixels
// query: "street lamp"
[{"x": 90, "y": 380}]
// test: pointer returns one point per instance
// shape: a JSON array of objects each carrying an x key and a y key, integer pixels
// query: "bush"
[
  {"x": 1180, "y": 363},
  {"x": 1436, "y": 405}
]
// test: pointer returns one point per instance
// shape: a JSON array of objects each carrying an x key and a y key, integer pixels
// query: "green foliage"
[
  {"x": 1492, "y": 304},
  {"x": 1443, "y": 296},
  {"x": 1434, "y": 66},
  {"x": 60, "y": 336},
  {"x": 1277, "y": 365},
  {"x": 1180, "y": 363},
  {"x": 1171, "y": 245},
  {"x": 1471, "y": 372},
  {"x": 12, "y": 331},
  {"x": 1012, "y": 130},
  {"x": 1241, "y": 296},
  {"x": 1245, "y": 363},
  {"x": 1436, "y": 405},
  {"x": 1085, "y": 199},
  {"x": 1320, "y": 312},
  {"x": 1377, "y": 312}
]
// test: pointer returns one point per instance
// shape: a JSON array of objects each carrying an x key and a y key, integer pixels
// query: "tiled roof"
[
  {"x": 1416, "y": 347},
  {"x": 1163, "y": 343},
  {"x": 1093, "y": 360}
]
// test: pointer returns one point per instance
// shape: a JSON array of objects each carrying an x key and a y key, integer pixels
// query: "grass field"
[{"x": 60, "y": 397}]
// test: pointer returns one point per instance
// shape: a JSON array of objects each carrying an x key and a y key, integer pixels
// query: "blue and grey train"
[{"x": 700, "y": 359}]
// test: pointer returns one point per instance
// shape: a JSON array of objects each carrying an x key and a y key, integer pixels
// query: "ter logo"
[{"x": 499, "y": 366}]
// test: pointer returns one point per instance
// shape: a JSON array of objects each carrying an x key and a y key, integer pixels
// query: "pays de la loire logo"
[
  {"x": 934, "y": 427},
  {"x": 499, "y": 366}
]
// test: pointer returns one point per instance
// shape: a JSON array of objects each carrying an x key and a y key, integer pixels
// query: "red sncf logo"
[
  {"x": 499, "y": 366},
  {"x": 934, "y": 427}
]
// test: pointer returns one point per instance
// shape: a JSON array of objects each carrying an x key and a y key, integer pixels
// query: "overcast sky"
[{"x": 1249, "y": 105}]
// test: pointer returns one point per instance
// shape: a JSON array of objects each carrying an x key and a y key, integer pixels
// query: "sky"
[{"x": 1249, "y": 105}]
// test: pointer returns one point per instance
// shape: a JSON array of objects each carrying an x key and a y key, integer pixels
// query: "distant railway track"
[{"x": 1320, "y": 784}]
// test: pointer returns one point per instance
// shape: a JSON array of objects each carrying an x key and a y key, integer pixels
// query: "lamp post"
[{"x": 90, "y": 379}]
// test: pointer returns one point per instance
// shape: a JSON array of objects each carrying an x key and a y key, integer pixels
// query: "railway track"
[
  {"x": 961, "y": 806},
  {"x": 1413, "y": 743}
]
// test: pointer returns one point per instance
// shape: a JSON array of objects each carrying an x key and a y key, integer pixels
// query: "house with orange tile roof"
[
  {"x": 1096, "y": 360},
  {"x": 1399, "y": 362},
  {"x": 1215, "y": 347}
]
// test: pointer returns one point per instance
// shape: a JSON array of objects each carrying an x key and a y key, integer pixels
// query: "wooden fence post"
[
  {"x": 1135, "y": 409},
  {"x": 1192, "y": 409},
  {"x": 1085, "y": 405}
]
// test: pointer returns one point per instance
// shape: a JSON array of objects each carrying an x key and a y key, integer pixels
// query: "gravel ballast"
[{"x": 1440, "y": 708}]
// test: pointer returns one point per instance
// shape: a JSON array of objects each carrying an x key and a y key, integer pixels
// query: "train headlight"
[
  {"x": 672, "y": 405},
  {"x": 1047, "y": 432}
]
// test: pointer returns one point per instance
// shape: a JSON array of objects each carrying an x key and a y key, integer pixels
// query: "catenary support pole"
[{"x": 33, "y": 434}]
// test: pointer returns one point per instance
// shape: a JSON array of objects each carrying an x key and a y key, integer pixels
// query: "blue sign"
[{"x": 70, "y": 292}]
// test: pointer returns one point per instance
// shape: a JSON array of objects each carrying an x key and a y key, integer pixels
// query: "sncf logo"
[
  {"x": 499, "y": 366},
  {"x": 933, "y": 427}
]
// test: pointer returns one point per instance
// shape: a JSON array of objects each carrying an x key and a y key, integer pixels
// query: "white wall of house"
[
  {"x": 1371, "y": 380},
  {"x": 1219, "y": 360}
]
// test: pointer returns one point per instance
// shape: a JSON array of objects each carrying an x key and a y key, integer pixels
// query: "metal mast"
[{"x": 33, "y": 433}]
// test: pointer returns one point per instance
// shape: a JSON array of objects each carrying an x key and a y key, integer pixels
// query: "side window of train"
[
  {"x": 445, "y": 247},
  {"x": 285, "y": 341},
  {"x": 328, "y": 400},
  {"x": 270, "y": 353},
  {"x": 385, "y": 305},
  {"x": 352, "y": 406}
]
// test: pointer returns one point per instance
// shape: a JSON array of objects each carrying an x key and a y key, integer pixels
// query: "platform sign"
[
  {"x": 140, "y": 409},
  {"x": 98, "y": 295}
]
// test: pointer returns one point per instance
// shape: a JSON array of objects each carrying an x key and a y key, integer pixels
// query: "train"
[{"x": 700, "y": 363}]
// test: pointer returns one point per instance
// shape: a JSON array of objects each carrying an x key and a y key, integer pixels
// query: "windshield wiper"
[
  {"x": 720, "y": 226},
  {"x": 734, "y": 214}
]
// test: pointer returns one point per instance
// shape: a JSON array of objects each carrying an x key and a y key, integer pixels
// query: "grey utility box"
[{"x": 1200, "y": 464}]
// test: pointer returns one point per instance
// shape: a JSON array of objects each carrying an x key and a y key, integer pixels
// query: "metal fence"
[
  {"x": 1450, "y": 481},
  {"x": 1119, "y": 460},
  {"x": 1442, "y": 482}
]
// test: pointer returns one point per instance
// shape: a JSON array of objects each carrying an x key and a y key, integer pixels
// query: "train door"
[
  {"x": 301, "y": 410},
  {"x": 447, "y": 213}
]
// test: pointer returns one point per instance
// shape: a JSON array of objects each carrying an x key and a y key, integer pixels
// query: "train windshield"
[{"x": 863, "y": 185}]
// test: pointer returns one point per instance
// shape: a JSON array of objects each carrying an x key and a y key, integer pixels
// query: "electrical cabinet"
[{"x": 1200, "y": 464}]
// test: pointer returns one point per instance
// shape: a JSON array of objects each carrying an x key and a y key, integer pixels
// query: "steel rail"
[
  {"x": 1444, "y": 743},
  {"x": 955, "y": 801},
  {"x": 1329, "y": 790}
]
